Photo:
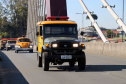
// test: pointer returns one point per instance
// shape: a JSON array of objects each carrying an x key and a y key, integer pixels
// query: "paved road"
[{"x": 22, "y": 69}]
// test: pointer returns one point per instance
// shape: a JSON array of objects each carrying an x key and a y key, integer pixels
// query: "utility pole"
[
  {"x": 122, "y": 19},
  {"x": 123, "y": 12},
  {"x": 82, "y": 17},
  {"x": 118, "y": 20}
]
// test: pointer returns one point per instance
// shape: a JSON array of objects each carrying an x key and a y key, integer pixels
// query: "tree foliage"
[
  {"x": 13, "y": 18},
  {"x": 109, "y": 33}
]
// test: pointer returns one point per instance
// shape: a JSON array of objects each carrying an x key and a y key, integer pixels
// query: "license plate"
[
  {"x": 13, "y": 48},
  {"x": 66, "y": 56},
  {"x": 24, "y": 49}
]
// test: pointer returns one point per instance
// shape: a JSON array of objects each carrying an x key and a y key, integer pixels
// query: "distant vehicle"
[
  {"x": 3, "y": 43},
  {"x": 10, "y": 44},
  {"x": 23, "y": 44}
]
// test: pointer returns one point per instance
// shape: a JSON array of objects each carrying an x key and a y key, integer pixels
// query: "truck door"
[{"x": 40, "y": 39}]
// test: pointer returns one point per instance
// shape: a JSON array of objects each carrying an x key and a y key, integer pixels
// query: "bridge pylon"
[{"x": 36, "y": 13}]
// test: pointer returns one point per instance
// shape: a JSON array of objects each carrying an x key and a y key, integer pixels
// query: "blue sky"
[{"x": 105, "y": 19}]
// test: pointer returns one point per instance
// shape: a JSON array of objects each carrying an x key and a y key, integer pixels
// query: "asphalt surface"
[{"x": 22, "y": 68}]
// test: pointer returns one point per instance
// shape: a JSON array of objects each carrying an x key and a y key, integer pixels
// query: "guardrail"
[{"x": 109, "y": 49}]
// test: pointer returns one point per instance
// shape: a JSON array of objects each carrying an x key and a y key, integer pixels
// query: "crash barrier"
[{"x": 107, "y": 49}]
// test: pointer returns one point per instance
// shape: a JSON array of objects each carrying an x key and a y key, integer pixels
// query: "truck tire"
[
  {"x": 6, "y": 48},
  {"x": 16, "y": 51},
  {"x": 45, "y": 61},
  {"x": 82, "y": 62},
  {"x": 39, "y": 61}
]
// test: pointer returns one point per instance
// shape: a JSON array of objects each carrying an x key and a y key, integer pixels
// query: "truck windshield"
[
  {"x": 64, "y": 29},
  {"x": 24, "y": 40},
  {"x": 11, "y": 41}
]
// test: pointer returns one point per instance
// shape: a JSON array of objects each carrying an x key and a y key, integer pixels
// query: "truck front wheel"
[
  {"x": 16, "y": 51},
  {"x": 39, "y": 61},
  {"x": 7, "y": 49},
  {"x": 45, "y": 61},
  {"x": 82, "y": 62}
]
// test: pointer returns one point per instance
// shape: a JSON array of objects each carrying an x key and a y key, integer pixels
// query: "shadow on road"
[
  {"x": 9, "y": 74},
  {"x": 101, "y": 68},
  {"x": 21, "y": 51},
  {"x": 91, "y": 68},
  {"x": 24, "y": 52}
]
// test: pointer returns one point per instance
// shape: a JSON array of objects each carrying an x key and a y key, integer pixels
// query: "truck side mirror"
[{"x": 37, "y": 33}]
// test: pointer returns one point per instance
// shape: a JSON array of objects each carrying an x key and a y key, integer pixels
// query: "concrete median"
[{"x": 109, "y": 49}]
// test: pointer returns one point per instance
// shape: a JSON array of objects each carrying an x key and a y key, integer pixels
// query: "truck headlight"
[
  {"x": 31, "y": 46},
  {"x": 17, "y": 46},
  {"x": 75, "y": 45},
  {"x": 54, "y": 45}
]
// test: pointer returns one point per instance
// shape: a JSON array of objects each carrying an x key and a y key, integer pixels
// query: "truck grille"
[
  {"x": 64, "y": 52},
  {"x": 12, "y": 46},
  {"x": 65, "y": 45},
  {"x": 65, "y": 48}
]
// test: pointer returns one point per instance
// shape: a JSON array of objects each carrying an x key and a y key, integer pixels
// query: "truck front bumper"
[
  {"x": 59, "y": 56},
  {"x": 24, "y": 49},
  {"x": 64, "y": 58}
]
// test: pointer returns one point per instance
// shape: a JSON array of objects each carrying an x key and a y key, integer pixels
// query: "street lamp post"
[
  {"x": 123, "y": 12},
  {"x": 122, "y": 19},
  {"x": 106, "y": 7},
  {"x": 82, "y": 16}
]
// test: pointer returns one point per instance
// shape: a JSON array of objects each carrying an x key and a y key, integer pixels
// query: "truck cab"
[
  {"x": 58, "y": 43},
  {"x": 10, "y": 44},
  {"x": 3, "y": 43},
  {"x": 23, "y": 44}
]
